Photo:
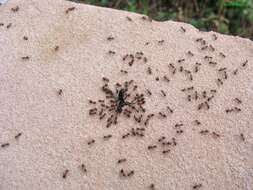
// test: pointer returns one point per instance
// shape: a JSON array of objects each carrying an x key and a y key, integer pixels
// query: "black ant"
[
  {"x": 64, "y": 175},
  {"x": 83, "y": 168},
  {"x": 56, "y": 48},
  {"x": 128, "y": 18},
  {"x": 121, "y": 160},
  {"x": 197, "y": 186},
  {"x": 183, "y": 29},
  {"x": 70, "y": 9},
  {"x": 152, "y": 186},
  {"x": 242, "y": 137},
  {"x": 18, "y": 135},
  {"x": 9, "y": 25},
  {"x": 215, "y": 37},
  {"x": 15, "y": 9},
  {"x": 5, "y": 145},
  {"x": 60, "y": 92}
]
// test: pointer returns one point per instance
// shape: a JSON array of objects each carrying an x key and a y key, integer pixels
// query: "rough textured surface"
[{"x": 56, "y": 126}]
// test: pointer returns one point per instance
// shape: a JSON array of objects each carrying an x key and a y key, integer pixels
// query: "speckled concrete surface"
[{"x": 51, "y": 64}]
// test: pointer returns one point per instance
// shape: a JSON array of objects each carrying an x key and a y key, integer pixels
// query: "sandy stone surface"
[{"x": 195, "y": 87}]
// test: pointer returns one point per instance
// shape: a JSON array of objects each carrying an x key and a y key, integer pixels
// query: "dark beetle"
[{"x": 121, "y": 100}]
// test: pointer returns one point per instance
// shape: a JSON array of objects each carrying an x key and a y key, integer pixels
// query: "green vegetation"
[{"x": 224, "y": 16}]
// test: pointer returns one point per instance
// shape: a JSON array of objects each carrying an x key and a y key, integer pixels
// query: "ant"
[
  {"x": 64, "y": 175},
  {"x": 91, "y": 142},
  {"x": 211, "y": 48},
  {"x": 83, "y": 168},
  {"x": 222, "y": 55},
  {"x": 9, "y": 25},
  {"x": 60, "y": 92},
  {"x": 161, "y": 139},
  {"x": 149, "y": 71},
  {"x": 235, "y": 72},
  {"x": 197, "y": 122},
  {"x": 152, "y": 186},
  {"x": 237, "y": 100},
  {"x": 111, "y": 52},
  {"x": 245, "y": 63},
  {"x": 197, "y": 186},
  {"x": 242, "y": 137},
  {"x": 183, "y": 29},
  {"x": 146, "y": 18},
  {"x": 125, "y": 136},
  {"x": 128, "y": 18},
  {"x": 166, "y": 151},
  {"x": 215, "y": 37},
  {"x": 106, "y": 137},
  {"x": 160, "y": 41},
  {"x": 70, "y": 9},
  {"x": 15, "y": 9},
  {"x": 122, "y": 173},
  {"x": 25, "y": 57},
  {"x": 5, "y": 145},
  {"x": 203, "y": 132},
  {"x": 190, "y": 53},
  {"x": 121, "y": 160},
  {"x": 18, "y": 135},
  {"x": 150, "y": 147},
  {"x": 215, "y": 135},
  {"x": 110, "y": 38},
  {"x": 56, "y": 48},
  {"x": 130, "y": 173}
]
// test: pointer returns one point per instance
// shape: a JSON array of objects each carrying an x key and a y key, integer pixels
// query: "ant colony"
[{"x": 124, "y": 100}]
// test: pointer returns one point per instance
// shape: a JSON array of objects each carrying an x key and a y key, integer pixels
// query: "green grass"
[{"x": 225, "y": 16}]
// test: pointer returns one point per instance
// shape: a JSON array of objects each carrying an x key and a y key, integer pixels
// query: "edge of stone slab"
[{"x": 247, "y": 41}]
